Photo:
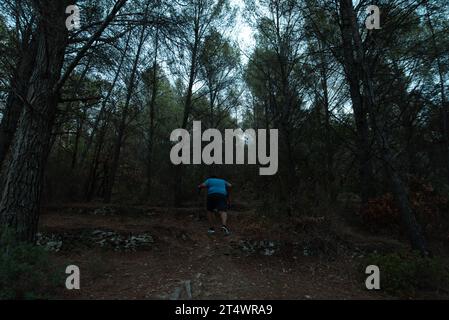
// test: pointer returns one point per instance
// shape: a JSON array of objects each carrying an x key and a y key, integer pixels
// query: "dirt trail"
[{"x": 218, "y": 267}]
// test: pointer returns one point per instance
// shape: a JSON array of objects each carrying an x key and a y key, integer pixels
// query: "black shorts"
[{"x": 216, "y": 202}]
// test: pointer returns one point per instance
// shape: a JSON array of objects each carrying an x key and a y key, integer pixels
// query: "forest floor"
[{"x": 150, "y": 253}]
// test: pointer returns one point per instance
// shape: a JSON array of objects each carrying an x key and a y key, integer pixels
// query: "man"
[{"x": 217, "y": 201}]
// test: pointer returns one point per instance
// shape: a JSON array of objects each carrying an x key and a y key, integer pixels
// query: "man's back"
[{"x": 216, "y": 186}]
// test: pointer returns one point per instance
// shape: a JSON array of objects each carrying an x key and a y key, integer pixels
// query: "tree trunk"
[
  {"x": 18, "y": 92},
  {"x": 19, "y": 205},
  {"x": 352, "y": 66},
  {"x": 178, "y": 170},
  {"x": 399, "y": 190},
  {"x": 122, "y": 126},
  {"x": 79, "y": 132},
  {"x": 21, "y": 195},
  {"x": 327, "y": 114},
  {"x": 154, "y": 92},
  {"x": 105, "y": 102},
  {"x": 444, "y": 107}
]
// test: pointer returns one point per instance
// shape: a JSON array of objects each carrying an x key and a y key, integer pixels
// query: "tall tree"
[
  {"x": 357, "y": 64},
  {"x": 25, "y": 52},
  {"x": 142, "y": 36},
  {"x": 196, "y": 18},
  {"x": 21, "y": 195}
]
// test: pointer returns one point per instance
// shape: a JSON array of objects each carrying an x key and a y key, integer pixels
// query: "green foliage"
[
  {"x": 405, "y": 274},
  {"x": 25, "y": 271}
]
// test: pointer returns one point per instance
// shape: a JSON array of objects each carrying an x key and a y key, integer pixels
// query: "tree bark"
[
  {"x": 154, "y": 92},
  {"x": 363, "y": 75},
  {"x": 122, "y": 125},
  {"x": 18, "y": 92},
  {"x": 178, "y": 170},
  {"x": 21, "y": 195},
  {"x": 444, "y": 107},
  {"x": 352, "y": 71},
  {"x": 19, "y": 205},
  {"x": 327, "y": 128}
]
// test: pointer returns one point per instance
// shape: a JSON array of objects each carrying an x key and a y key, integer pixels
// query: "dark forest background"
[{"x": 363, "y": 115}]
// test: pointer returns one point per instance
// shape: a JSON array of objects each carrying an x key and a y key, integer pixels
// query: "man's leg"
[
  {"x": 224, "y": 219},
  {"x": 210, "y": 217}
]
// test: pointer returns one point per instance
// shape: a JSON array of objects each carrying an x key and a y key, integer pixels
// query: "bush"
[
  {"x": 405, "y": 274},
  {"x": 25, "y": 271},
  {"x": 382, "y": 214}
]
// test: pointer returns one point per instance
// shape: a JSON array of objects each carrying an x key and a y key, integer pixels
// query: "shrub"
[
  {"x": 405, "y": 274},
  {"x": 382, "y": 214},
  {"x": 25, "y": 271}
]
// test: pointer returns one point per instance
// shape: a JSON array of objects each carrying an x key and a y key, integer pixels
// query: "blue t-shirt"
[{"x": 215, "y": 185}]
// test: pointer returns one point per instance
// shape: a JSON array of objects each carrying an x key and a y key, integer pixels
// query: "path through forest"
[{"x": 257, "y": 261}]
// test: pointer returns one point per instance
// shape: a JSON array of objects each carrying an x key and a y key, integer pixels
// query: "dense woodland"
[{"x": 362, "y": 114}]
